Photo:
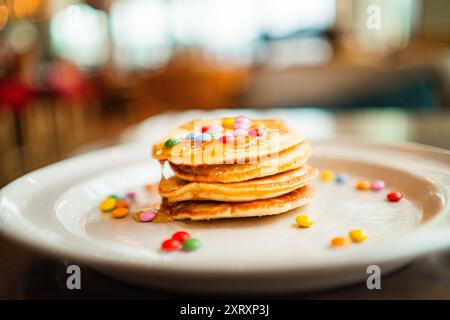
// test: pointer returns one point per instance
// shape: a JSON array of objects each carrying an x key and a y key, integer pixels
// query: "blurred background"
[{"x": 74, "y": 75}]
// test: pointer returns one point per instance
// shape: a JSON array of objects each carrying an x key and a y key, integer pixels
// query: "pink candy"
[
  {"x": 147, "y": 216},
  {"x": 377, "y": 185},
  {"x": 242, "y": 119},
  {"x": 215, "y": 129},
  {"x": 131, "y": 196},
  {"x": 241, "y": 122},
  {"x": 240, "y": 125},
  {"x": 240, "y": 132}
]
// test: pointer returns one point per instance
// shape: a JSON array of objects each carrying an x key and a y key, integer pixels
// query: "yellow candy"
[
  {"x": 326, "y": 175},
  {"x": 108, "y": 204},
  {"x": 228, "y": 123},
  {"x": 363, "y": 185},
  {"x": 304, "y": 221},
  {"x": 358, "y": 235}
]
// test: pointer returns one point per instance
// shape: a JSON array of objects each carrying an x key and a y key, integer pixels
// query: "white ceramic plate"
[{"x": 54, "y": 211}]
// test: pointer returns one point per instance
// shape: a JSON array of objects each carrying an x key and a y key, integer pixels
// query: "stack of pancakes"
[{"x": 221, "y": 172}]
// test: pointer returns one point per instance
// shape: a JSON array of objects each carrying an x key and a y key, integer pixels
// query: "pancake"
[
  {"x": 206, "y": 210},
  {"x": 276, "y": 136},
  {"x": 289, "y": 159},
  {"x": 176, "y": 189}
]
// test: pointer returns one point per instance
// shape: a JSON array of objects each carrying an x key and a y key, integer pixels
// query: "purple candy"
[
  {"x": 131, "y": 195},
  {"x": 147, "y": 216}
]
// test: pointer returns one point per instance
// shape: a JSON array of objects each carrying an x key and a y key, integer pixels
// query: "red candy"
[
  {"x": 181, "y": 236},
  {"x": 170, "y": 245},
  {"x": 204, "y": 129},
  {"x": 226, "y": 139},
  {"x": 394, "y": 196},
  {"x": 256, "y": 132}
]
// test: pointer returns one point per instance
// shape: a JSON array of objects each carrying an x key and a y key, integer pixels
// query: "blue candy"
[
  {"x": 206, "y": 137},
  {"x": 190, "y": 136},
  {"x": 341, "y": 178}
]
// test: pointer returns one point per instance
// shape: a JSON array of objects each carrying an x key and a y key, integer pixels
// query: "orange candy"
[
  {"x": 122, "y": 204},
  {"x": 119, "y": 213},
  {"x": 363, "y": 185},
  {"x": 340, "y": 242}
]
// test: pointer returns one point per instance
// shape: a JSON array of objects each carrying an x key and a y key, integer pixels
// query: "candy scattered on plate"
[
  {"x": 378, "y": 185},
  {"x": 363, "y": 185},
  {"x": 326, "y": 175},
  {"x": 394, "y": 196},
  {"x": 181, "y": 239},
  {"x": 358, "y": 235},
  {"x": 304, "y": 221}
]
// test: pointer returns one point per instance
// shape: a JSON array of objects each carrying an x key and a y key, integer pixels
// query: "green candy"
[
  {"x": 115, "y": 196},
  {"x": 191, "y": 244},
  {"x": 171, "y": 142}
]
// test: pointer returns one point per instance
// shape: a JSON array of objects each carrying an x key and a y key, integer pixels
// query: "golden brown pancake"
[
  {"x": 176, "y": 189},
  {"x": 206, "y": 210},
  {"x": 289, "y": 159},
  {"x": 276, "y": 138}
]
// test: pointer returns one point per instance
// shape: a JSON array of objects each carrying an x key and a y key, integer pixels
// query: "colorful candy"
[
  {"x": 190, "y": 135},
  {"x": 240, "y": 132},
  {"x": 171, "y": 142},
  {"x": 191, "y": 244},
  {"x": 243, "y": 119},
  {"x": 304, "y": 221},
  {"x": 394, "y": 196},
  {"x": 226, "y": 139},
  {"x": 145, "y": 215},
  {"x": 206, "y": 137},
  {"x": 215, "y": 129},
  {"x": 108, "y": 204},
  {"x": 363, "y": 185},
  {"x": 181, "y": 236},
  {"x": 239, "y": 125},
  {"x": 341, "y": 178},
  {"x": 358, "y": 235},
  {"x": 170, "y": 245},
  {"x": 255, "y": 132},
  {"x": 326, "y": 175},
  {"x": 340, "y": 242},
  {"x": 131, "y": 196},
  {"x": 122, "y": 204},
  {"x": 119, "y": 213},
  {"x": 228, "y": 122},
  {"x": 377, "y": 185}
]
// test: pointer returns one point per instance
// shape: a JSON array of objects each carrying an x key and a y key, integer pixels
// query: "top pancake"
[{"x": 276, "y": 137}]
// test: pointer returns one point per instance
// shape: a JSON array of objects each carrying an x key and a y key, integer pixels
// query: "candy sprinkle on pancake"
[
  {"x": 176, "y": 189},
  {"x": 289, "y": 159},
  {"x": 188, "y": 145},
  {"x": 206, "y": 210}
]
